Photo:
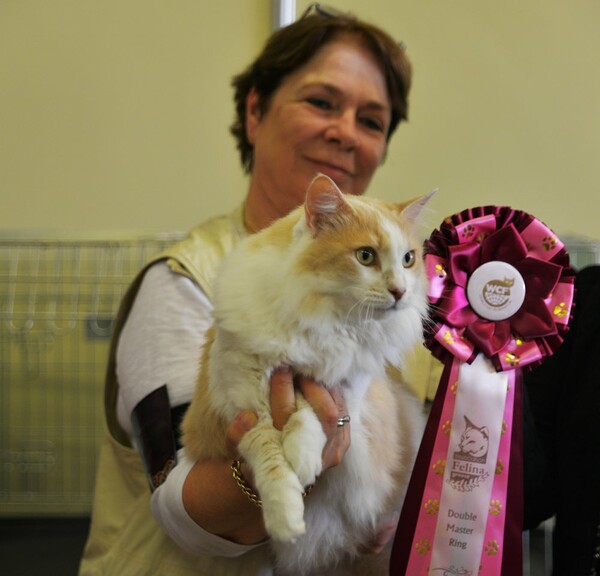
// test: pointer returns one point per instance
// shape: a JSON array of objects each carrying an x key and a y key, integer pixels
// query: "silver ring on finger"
[{"x": 343, "y": 420}]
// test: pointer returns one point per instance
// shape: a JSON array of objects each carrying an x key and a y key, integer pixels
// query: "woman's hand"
[
  {"x": 243, "y": 523},
  {"x": 328, "y": 405},
  {"x": 244, "y": 421}
]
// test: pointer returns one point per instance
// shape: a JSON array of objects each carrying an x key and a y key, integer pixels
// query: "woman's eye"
[
  {"x": 320, "y": 103},
  {"x": 366, "y": 256},
  {"x": 372, "y": 124},
  {"x": 409, "y": 259}
]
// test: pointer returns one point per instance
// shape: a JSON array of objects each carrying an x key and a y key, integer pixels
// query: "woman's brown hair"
[{"x": 294, "y": 45}]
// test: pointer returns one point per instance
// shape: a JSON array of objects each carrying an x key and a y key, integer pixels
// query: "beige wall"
[{"x": 112, "y": 109}]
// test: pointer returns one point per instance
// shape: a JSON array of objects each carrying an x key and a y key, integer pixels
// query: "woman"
[{"x": 325, "y": 95}]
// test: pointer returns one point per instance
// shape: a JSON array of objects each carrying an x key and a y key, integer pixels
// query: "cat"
[
  {"x": 474, "y": 441},
  {"x": 337, "y": 290}
]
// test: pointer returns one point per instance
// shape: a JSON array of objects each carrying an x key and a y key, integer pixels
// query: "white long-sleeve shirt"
[{"x": 161, "y": 344}]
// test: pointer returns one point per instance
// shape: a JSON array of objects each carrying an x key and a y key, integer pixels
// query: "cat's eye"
[
  {"x": 409, "y": 259},
  {"x": 366, "y": 256}
]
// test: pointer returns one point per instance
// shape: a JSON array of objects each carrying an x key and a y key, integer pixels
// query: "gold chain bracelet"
[{"x": 236, "y": 469}]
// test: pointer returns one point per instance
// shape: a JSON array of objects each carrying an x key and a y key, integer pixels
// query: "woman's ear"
[{"x": 252, "y": 114}]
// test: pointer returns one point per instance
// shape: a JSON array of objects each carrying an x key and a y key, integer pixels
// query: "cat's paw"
[
  {"x": 284, "y": 517},
  {"x": 303, "y": 441}
]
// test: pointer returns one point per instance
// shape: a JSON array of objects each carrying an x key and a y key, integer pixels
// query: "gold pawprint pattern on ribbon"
[
  {"x": 447, "y": 427},
  {"x": 423, "y": 546},
  {"x": 561, "y": 310},
  {"x": 512, "y": 359},
  {"x": 439, "y": 467},
  {"x": 549, "y": 243},
  {"x": 495, "y": 507},
  {"x": 492, "y": 548},
  {"x": 468, "y": 231},
  {"x": 454, "y": 388},
  {"x": 440, "y": 271},
  {"x": 499, "y": 467},
  {"x": 432, "y": 506}
]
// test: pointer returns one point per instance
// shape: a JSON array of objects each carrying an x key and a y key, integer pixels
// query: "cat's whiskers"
[
  {"x": 365, "y": 311},
  {"x": 428, "y": 323},
  {"x": 432, "y": 311},
  {"x": 357, "y": 305},
  {"x": 375, "y": 303},
  {"x": 370, "y": 311}
]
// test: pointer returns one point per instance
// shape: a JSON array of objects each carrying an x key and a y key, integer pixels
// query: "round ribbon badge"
[{"x": 501, "y": 293}]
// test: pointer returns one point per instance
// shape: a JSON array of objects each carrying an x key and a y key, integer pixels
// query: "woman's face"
[{"x": 329, "y": 116}]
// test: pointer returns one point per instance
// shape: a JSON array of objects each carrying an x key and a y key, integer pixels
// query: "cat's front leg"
[
  {"x": 278, "y": 485},
  {"x": 303, "y": 441}
]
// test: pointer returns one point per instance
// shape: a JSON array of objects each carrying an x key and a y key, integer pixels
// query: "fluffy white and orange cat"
[{"x": 337, "y": 291}]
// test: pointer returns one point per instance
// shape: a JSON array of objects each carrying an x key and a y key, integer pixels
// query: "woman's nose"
[{"x": 342, "y": 130}]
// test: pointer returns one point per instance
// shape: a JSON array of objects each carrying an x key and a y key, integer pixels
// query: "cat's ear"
[
  {"x": 325, "y": 204},
  {"x": 412, "y": 210}
]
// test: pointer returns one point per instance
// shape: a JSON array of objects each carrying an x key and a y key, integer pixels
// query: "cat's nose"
[{"x": 397, "y": 293}]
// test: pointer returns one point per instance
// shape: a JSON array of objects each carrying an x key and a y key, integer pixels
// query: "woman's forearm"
[{"x": 214, "y": 501}]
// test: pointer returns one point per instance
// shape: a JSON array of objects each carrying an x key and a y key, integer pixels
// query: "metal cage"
[{"x": 58, "y": 299}]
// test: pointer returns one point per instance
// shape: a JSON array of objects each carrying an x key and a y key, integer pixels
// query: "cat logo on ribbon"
[
  {"x": 496, "y": 293},
  {"x": 468, "y": 466}
]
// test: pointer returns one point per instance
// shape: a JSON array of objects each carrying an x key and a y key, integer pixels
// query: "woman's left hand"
[{"x": 328, "y": 405}]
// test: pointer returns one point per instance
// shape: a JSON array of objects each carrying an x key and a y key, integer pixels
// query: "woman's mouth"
[{"x": 337, "y": 172}]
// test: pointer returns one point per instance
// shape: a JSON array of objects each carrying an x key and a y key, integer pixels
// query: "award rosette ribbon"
[{"x": 501, "y": 293}]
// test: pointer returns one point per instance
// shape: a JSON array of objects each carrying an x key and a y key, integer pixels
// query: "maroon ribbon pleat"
[
  {"x": 512, "y": 563},
  {"x": 414, "y": 495}
]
